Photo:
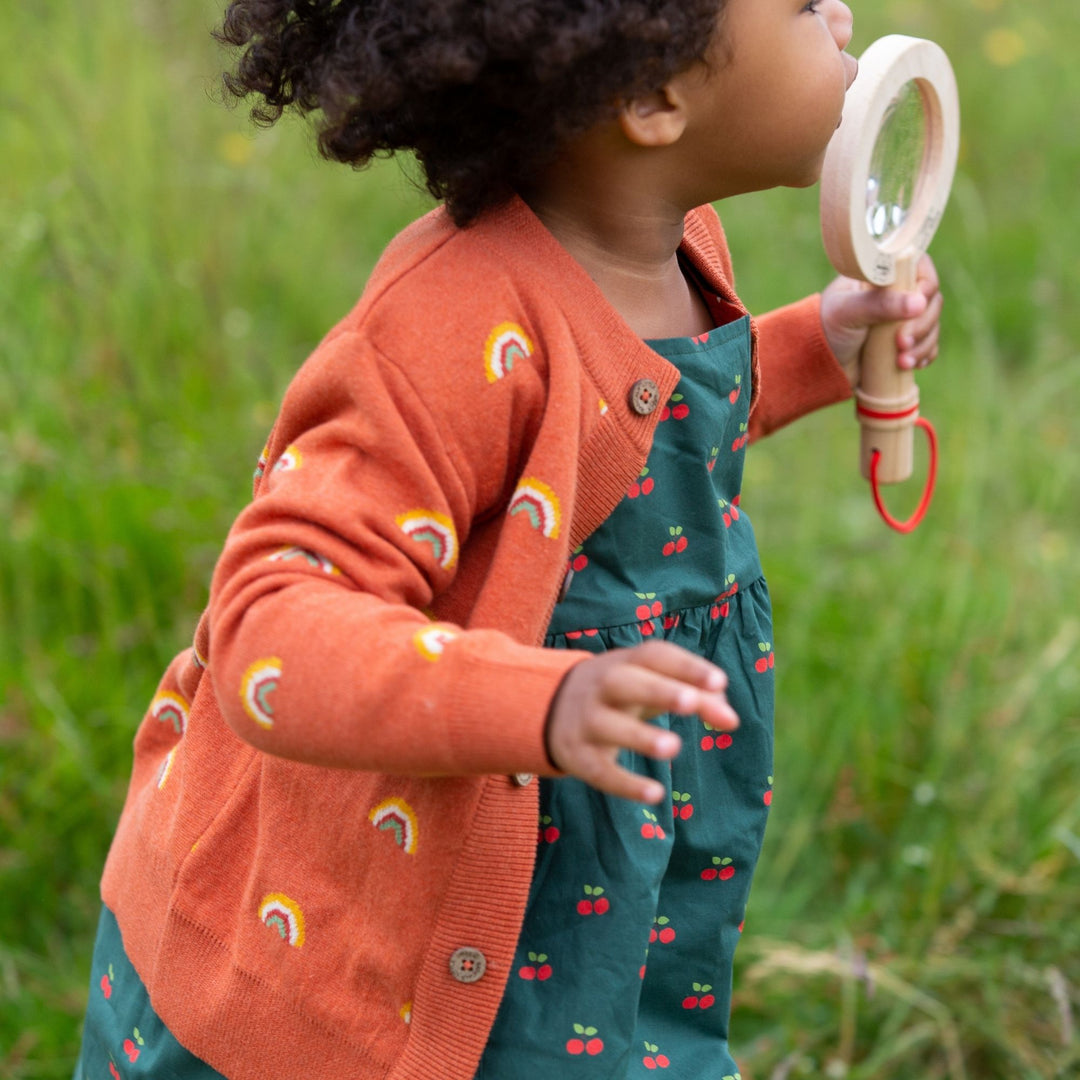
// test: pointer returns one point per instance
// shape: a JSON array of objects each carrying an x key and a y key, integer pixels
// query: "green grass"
[{"x": 164, "y": 272}]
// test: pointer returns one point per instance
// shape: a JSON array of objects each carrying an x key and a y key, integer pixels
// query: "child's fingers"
[
  {"x": 641, "y": 691},
  {"x": 678, "y": 663},
  {"x": 614, "y": 730},
  {"x": 596, "y": 764},
  {"x": 615, "y": 780},
  {"x": 918, "y": 339}
]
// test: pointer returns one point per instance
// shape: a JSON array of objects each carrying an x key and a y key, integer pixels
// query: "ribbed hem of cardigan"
[{"x": 243, "y": 1045}]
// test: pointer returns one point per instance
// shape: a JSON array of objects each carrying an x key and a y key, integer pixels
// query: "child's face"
[{"x": 764, "y": 114}]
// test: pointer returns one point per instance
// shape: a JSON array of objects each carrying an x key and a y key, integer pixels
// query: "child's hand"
[
  {"x": 849, "y": 308},
  {"x": 603, "y": 704}
]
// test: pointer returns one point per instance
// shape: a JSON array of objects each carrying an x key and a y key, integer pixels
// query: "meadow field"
[{"x": 163, "y": 271}]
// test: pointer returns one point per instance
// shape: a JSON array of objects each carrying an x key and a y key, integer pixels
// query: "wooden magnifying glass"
[{"x": 884, "y": 185}]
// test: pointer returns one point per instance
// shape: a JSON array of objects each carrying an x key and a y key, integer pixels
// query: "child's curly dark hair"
[{"x": 484, "y": 91}]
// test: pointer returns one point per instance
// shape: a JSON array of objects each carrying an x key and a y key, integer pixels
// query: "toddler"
[{"x": 467, "y": 770}]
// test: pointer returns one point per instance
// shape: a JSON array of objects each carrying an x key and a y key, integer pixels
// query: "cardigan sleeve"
[
  {"x": 798, "y": 370},
  {"x": 320, "y": 648}
]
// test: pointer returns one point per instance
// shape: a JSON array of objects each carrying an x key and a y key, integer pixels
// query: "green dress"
[{"x": 625, "y": 957}]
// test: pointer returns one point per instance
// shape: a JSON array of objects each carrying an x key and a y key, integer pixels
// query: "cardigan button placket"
[
  {"x": 644, "y": 396},
  {"x": 467, "y": 965},
  {"x": 523, "y": 779}
]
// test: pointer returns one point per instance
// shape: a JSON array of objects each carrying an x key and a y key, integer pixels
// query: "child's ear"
[{"x": 654, "y": 119}]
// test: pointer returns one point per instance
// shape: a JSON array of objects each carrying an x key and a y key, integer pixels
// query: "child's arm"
[
  {"x": 323, "y": 643},
  {"x": 371, "y": 514}
]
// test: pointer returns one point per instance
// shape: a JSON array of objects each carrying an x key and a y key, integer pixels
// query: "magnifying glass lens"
[{"x": 896, "y": 163}]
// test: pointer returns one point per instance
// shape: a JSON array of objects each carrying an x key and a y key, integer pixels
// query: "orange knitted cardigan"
[{"x": 329, "y": 796}]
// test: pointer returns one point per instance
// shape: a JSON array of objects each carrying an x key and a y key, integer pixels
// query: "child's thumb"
[{"x": 873, "y": 306}]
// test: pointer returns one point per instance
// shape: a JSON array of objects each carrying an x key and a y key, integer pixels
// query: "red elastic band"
[
  {"x": 872, "y": 415},
  {"x": 912, "y": 522}
]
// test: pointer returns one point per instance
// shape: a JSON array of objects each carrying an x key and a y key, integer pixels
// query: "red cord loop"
[{"x": 912, "y": 522}]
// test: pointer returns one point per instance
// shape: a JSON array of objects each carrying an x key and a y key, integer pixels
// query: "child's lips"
[
  {"x": 851, "y": 73},
  {"x": 852, "y": 66}
]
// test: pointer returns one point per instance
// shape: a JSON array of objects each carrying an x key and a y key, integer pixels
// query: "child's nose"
[{"x": 841, "y": 22}]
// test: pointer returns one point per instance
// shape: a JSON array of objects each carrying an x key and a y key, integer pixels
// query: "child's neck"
[{"x": 628, "y": 244}]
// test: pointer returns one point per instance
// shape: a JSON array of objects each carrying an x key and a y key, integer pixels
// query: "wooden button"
[
  {"x": 644, "y": 396},
  {"x": 467, "y": 965}
]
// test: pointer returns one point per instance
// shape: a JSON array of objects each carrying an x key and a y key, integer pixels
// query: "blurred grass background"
[{"x": 164, "y": 269}]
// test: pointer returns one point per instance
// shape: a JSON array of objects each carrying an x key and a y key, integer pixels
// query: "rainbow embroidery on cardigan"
[
  {"x": 539, "y": 504},
  {"x": 396, "y": 816},
  {"x": 506, "y": 344},
  {"x": 291, "y": 459},
  {"x": 170, "y": 708},
  {"x": 319, "y": 562},
  {"x": 165, "y": 768},
  {"x": 280, "y": 913},
  {"x": 431, "y": 527},
  {"x": 431, "y": 640},
  {"x": 259, "y": 682}
]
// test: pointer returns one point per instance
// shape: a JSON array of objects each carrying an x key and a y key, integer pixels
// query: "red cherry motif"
[
  {"x": 652, "y": 829},
  {"x": 115, "y": 1073},
  {"x": 650, "y": 608},
  {"x": 106, "y": 987},
  {"x": 701, "y": 998},
  {"x": 547, "y": 832},
  {"x": 729, "y": 510},
  {"x": 595, "y": 903},
  {"x": 537, "y": 968},
  {"x": 681, "y": 807},
  {"x": 653, "y": 1059},
  {"x": 675, "y": 409},
  {"x": 742, "y": 440},
  {"x": 586, "y": 1041},
  {"x": 767, "y": 797},
  {"x": 131, "y": 1050},
  {"x": 725, "y": 596},
  {"x": 666, "y": 932},
  {"x": 643, "y": 485},
  {"x": 767, "y": 660},
  {"x": 719, "y": 742},
  {"x": 579, "y": 561},
  {"x": 734, "y": 395},
  {"x": 714, "y": 453},
  {"x": 722, "y": 869},
  {"x": 677, "y": 544}
]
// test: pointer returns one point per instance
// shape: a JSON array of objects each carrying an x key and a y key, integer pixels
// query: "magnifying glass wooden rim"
[
  {"x": 885, "y": 68},
  {"x": 887, "y": 399}
]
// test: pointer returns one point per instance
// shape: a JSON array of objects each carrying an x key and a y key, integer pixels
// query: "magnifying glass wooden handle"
[{"x": 887, "y": 399}]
